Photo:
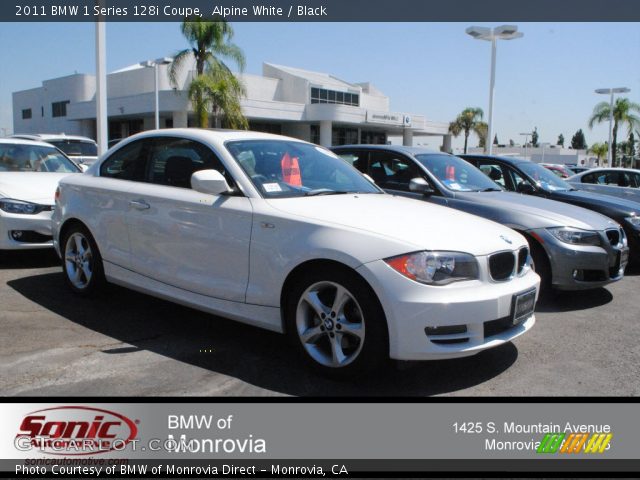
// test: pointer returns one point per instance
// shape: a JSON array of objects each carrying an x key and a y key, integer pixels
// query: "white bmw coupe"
[
  {"x": 284, "y": 235},
  {"x": 29, "y": 175}
]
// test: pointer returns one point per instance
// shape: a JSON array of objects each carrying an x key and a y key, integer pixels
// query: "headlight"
[
  {"x": 18, "y": 206},
  {"x": 436, "y": 268},
  {"x": 575, "y": 236},
  {"x": 634, "y": 221}
]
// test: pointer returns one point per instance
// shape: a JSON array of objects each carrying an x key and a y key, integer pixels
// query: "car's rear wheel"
[
  {"x": 81, "y": 261},
  {"x": 336, "y": 322}
]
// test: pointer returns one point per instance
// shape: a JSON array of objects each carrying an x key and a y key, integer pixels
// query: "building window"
[
  {"x": 321, "y": 95},
  {"x": 26, "y": 114},
  {"x": 344, "y": 136},
  {"x": 373, "y": 137},
  {"x": 266, "y": 127},
  {"x": 315, "y": 134},
  {"x": 59, "y": 109}
]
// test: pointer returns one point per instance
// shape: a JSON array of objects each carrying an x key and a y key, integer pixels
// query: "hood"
[
  {"x": 422, "y": 226},
  {"x": 35, "y": 187},
  {"x": 620, "y": 205},
  {"x": 536, "y": 212}
]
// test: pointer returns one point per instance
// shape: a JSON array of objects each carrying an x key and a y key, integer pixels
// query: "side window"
[
  {"x": 635, "y": 179},
  {"x": 128, "y": 163},
  {"x": 172, "y": 161},
  {"x": 495, "y": 172},
  {"x": 590, "y": 178},
  {"x": 517, "y": 181},
  {"x": 356, "y": 158},
  {"x": 393, "y": 171},
  {"x": 628, "y": 179}
]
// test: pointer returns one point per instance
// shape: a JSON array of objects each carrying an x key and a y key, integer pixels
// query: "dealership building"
[{"x": 312, "y": 106}]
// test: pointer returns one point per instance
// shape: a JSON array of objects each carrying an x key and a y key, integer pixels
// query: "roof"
[
  {"x": 392, "y": 148},
  {"x": 612, "y": 169},
  {"x": 22, "y": 141},
  {"x": 51, "y": 136},
  {"x": 318, "y": 78},
  {"x": 510, "y": 160},
  {"x": 220, "y": 135}
]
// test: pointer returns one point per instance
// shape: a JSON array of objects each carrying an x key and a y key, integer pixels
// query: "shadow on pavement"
[
  {"x": 27, "y": 259},
  {"x": 253, "y": 355},
  {"x": 573, "y": 301}
]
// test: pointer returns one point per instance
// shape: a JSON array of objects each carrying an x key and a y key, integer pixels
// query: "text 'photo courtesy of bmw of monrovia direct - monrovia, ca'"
[{"x": 284, "y": 235}]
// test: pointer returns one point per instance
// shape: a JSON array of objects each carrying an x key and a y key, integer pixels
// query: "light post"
[
  {"x": 154, "y": 64},
  {"x": 611, "y": 91},
  {"x": 526, "y": 139},
  {"x": 503, "y": 32}
]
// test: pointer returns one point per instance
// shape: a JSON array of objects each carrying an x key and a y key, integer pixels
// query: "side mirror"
[
  {"x": 525, "y": 187},
  {"x": 420, "y": 185},
  {"x": 84, "y": 167},
  {"x": 209, "y": 181}
]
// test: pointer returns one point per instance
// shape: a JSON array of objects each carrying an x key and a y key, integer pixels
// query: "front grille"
[
  {"x": 613, "y": 236},
  {"x": 501, "y": 265},
  {"x": 29, "y": 236},
  {"x": 523, "y": 254},
  {"x": 495, "y": 327}
]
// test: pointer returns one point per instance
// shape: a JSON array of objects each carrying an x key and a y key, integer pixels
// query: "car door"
[
  {"x": 190, "y": 240},
  {"x": 109, "y": 200}
]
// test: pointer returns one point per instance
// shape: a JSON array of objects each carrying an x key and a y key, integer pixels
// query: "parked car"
[
  {"x": 530, "y": 178},
  {"x": 569, "y": 245},
  {"x": 283, "y": 235},
  {"x": 29, "y": 175},
  {"x": 82, "y": 150},
  {"x": 559, "y": 170},
  {"x": 619, "y": 182}
]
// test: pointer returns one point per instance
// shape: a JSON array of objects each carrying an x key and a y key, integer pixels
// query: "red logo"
[{"x": 75, "y": 431}]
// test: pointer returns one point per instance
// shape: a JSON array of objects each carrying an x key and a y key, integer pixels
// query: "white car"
[
  {"x": 618, "y": 182},
  {"x": 82, "y": 150},
  {"x": 29, "y": 175},
  {"x": 284, "y": 235}
]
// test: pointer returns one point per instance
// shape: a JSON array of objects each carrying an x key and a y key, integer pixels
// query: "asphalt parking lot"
[{"x": 125, "y": 343}]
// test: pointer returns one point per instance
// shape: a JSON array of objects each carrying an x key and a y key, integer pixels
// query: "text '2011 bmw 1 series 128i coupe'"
[{"x": 284, "y": 235}]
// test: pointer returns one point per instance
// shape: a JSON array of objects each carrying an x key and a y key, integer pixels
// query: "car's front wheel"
[
  {"x": 81, "y": 261},
  {"x": 336, "y": 322}
]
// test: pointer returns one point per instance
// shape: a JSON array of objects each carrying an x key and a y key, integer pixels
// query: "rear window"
[{"x": 76, "y": 148}]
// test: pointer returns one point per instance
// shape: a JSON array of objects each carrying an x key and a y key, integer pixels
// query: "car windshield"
[
  {"x": 457, "y": 174},
  {"x": 545, "y": 179},
  {"x": 283, "y": 169},
  {"x": 76, "y": 148},
  {"x": 34, "y": 158}
]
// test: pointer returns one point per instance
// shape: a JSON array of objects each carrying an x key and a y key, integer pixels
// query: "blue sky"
[{"x": 544, "y": 80}]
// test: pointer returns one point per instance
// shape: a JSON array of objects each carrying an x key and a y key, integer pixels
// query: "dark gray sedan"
[{"x": 572, "y": 248}]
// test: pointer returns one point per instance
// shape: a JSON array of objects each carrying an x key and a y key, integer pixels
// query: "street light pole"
[
  {"x": 155, "y": 64},
  {"x": 101, "y": 85},
  {"x": 526, "y": 139},
  {"x": 611, "y": 91},
  {"x": 503, "y": 32}
]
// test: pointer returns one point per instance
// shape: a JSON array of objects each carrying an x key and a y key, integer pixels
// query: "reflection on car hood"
[
  {"x": 536, "y": 212},
  {"x": 419, "y": 224},
  {"x": 36, "y": 187},
  {"x": 611, "y": 202}
]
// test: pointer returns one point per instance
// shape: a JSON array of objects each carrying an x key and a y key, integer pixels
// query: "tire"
[
  {"x": 541, "y": 266},
  {"x": 336, "y": 322},
  {"x": 81, "y": 261}
]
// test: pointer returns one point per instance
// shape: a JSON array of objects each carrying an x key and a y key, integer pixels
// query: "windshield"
[
  {"x": 457, "y": 174},
  {"x": 34, "y": 158},
  {"x": 545, "y": 179},
  {"x": 76, "y": 148},
  {"x": 283, "y": 169}
]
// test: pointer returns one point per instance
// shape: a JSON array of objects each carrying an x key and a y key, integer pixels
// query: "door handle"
[{"x": 139, "y": 205}]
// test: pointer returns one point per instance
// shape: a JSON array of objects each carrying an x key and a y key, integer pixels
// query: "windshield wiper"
[
  {"x": 491, "y": 189},
  {"x": 325, "y": 191}
]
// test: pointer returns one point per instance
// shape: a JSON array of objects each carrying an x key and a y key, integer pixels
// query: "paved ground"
[{"x": 125, "y": 343}]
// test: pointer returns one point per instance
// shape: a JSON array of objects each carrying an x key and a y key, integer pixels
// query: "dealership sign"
[
  {"x": 387, "y": 118},
  {"x": 74, "y": 430}
]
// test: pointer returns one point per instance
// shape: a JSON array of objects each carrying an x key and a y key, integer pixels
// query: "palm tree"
[
  {"x": 470, "y": 120},
  {"x": 623, "y": 113},
  {"x": 600, "y": 150},
  {"x": 219, "y": 96},
  {"x": 210, "y": 46}
]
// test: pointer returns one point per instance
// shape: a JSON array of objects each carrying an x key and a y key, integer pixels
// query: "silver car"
[
  {"x": 619, "y": 182},
  {"x": 572, "y": 248}
]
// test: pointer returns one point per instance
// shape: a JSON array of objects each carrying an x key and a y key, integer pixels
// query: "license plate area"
[{"x": 523, "y": 305}]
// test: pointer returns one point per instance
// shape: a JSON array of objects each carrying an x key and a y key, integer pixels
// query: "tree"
[
  {"x": 534, "y": 137},
  {"x": 578, "y": 141},
  {"x": 210, "y": 46},
  {"x": 600, "y": 150},
  {"x": 560, "y": 140},
  {"x": 623, "y": 114},
  {"x": 495, "y": 139},
  {"x": 469, "y": 120}
]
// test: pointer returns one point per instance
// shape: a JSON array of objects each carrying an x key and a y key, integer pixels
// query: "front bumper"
[
  {"x": 583, "y": 267},
  {"x": 34, "y": 231},
  {"x": 477, "y": 311}
]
